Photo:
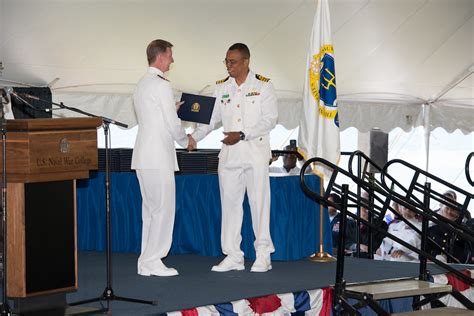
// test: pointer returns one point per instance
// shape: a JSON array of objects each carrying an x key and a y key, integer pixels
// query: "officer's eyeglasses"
[{"x": 231, "y": 62}]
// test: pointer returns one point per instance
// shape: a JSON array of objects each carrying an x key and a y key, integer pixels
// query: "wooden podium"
[{"x": 44, "y": 157}]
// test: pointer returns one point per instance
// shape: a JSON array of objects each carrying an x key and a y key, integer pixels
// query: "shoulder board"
[
  {"x": 262, "y": 78},
  {"x": 162, "y": 77},
  {"x": 222, "y": 80}
]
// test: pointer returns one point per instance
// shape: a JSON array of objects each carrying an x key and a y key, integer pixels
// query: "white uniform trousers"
[
  {"x": 158, "y": 189},
  {"x": 233, "y": 182}
]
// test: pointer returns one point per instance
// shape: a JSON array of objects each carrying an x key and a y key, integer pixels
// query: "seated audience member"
[
  {"x": 335, "y": 219},
  {"x": 449, "y": 194},
  {"x": 289, "y": 167},
  {"x": 377, "y": 237},
  {"x": 457, "y": 247},
  {"x": 393, "y": 251}
]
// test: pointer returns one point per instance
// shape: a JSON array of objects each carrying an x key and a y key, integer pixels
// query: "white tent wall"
[
  {"x": 392, "y": 56},
  {"x": 450, "y": 116}
]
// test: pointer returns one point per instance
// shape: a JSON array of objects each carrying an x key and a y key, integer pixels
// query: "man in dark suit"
[
  {"x": 335, "y": 218},
  {"x": 457, "y": 247}
]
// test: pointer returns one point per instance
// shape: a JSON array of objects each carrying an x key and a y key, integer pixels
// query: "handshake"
[
  {"x": 230, "y": 138},
  {"x": 191, "y": 143}
]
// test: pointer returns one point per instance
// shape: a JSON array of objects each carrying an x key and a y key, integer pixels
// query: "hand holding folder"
[{"x": 196, "y": 108}]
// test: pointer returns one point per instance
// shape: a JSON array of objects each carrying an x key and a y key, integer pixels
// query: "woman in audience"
[{"x": 393, "y": 251}]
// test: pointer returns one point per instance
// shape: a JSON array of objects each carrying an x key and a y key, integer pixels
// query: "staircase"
[
  {"x": 399, "y": 288},
  {"x": 348, "y": 299},
  {"x": 369, "y": 293}
]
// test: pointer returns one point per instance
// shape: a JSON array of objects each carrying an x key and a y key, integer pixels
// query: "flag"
[{"x": 319, "y": 123}]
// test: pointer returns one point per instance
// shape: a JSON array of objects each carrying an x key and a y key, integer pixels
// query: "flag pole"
[
  {"x": 319, "y": 123},
  {"x": 321, "y": 256}
]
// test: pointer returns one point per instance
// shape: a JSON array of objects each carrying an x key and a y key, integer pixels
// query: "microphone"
[
  {"x": 29, "y": 96},
  {"x": 19, "y": 96}
]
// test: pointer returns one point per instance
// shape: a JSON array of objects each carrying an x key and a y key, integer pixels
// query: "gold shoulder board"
[
  {"x": 262, "y": 78},
  {"x": 222, "y": 80},
  {"x": 162, "y": 77}
]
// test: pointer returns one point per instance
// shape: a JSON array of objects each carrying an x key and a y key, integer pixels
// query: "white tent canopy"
[{"x": 393, "y": 57}]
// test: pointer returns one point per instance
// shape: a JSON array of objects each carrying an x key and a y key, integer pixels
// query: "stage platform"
[{"x": 198, "y": 286}]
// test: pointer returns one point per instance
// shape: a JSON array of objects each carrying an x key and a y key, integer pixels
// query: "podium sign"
[
  {"x": 44, "y": 157},
  {"x": 51, "y": 149}
]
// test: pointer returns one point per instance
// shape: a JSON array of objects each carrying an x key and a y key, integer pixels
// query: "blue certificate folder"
[{"x": 196, "y": 108}]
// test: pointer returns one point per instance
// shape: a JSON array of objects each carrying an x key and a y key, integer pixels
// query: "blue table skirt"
[{"x": 294, "y": 222}]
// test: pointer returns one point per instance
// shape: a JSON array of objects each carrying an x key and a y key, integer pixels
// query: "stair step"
[
  {"x": 399, "y": 288},
  {"x": 443, "y": 311}
]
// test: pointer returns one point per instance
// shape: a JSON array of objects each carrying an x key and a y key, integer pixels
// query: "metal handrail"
[
  {"x": 463, "y": 230},
  {"x": 438, "y": 218},
  {"x": 356, "y": 199},
  {"x": 466, "y": 168},
  {"x": 424, "y": 211}
]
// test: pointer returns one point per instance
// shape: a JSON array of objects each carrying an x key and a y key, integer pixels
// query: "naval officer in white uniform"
[
  {"x": 246, "y": 105},
  {"x": 154, "y": 158}
]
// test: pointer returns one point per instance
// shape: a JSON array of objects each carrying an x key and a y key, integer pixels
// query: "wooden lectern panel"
[
  {"x": 44, "y": 157},
  {"x": 42, "y": 245},
  {"x": 16, "y": 238}
]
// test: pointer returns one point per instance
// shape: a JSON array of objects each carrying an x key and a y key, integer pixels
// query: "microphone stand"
[
  {"x": 5, "y": 309},
  {"x": 108, "y": 294}
]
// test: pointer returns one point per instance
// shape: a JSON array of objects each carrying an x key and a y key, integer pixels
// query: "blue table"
[{"x": 294, "y": 222}]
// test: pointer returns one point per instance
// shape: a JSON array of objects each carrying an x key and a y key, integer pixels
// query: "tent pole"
[
  {"x": 427, "y": 107},
  {"x": 427, "y": 132}
]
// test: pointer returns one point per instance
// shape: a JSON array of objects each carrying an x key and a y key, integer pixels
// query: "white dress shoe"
[
  {"x": 229, "y": 264},
  {"x": 262, "y": 264},
  {"x": 159, "y": 269}
]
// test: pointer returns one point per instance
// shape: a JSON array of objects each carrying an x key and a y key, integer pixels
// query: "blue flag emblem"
[{"x": 327, "y": 83}]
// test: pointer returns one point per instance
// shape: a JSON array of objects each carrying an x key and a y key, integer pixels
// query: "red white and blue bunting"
[
  {"x": 313, "y": 302},
  {"x": 457, "y": 284}
]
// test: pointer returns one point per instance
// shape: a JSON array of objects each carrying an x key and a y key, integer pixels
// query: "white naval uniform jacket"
[
  {"x": 406, "y": 233},
  {"x": 250, "y": 108},
  {"x": 158, "y": 124}
]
